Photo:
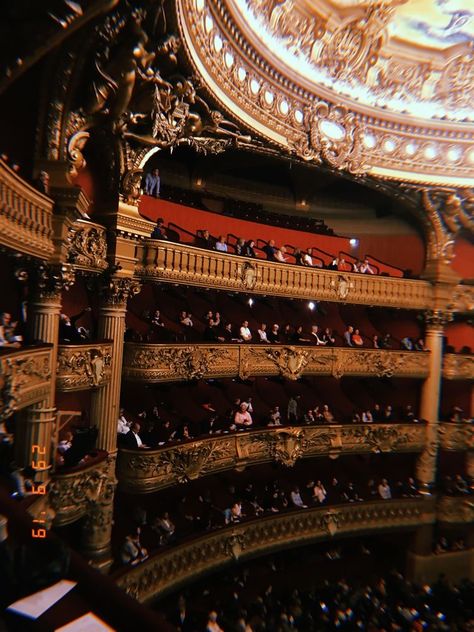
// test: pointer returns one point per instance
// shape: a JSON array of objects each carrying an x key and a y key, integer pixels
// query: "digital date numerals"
[{"x": 38, "y": 451}]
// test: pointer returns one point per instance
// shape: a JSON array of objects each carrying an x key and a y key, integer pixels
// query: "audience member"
[
  {"x": 262, "y": 333},
  {"x": 153, "y": 183},
  {"x": 348, "y": 336},
  {"x": 132, "y": 552},
  {"x": 245, "y": 333},
  {"x": 159, "y": 232},
  {"x": 357, "y": 339},
  {"x": 384, "y": 490},
  {"x": 68, "y": 331},
  {"x": 270, "y": 250},
  {"x": 221, "y": 244}
]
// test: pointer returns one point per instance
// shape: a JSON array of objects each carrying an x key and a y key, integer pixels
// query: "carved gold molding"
[
  {"x": 271, "y": 98},
  {"x": 457, "y": 437},
  {"x": 83, "y": 366},
  {"x": 455, "y": 509},
  {"x": 158, "y": 363},
  {"x": 181, "y": 263},
  {"x": 151, "y": 470},
  {"x": 25, "y": 377},
  {"x": 87, "y": 246},
  {"x": 25, "y": 216},
  {"x": 77, "y": 494},
  {"x": 457, "y": 366},
  {"x": 165, "y": 571}
]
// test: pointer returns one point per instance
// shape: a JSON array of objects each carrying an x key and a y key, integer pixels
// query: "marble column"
[
  {"x": 105, "y": 402},
  {"x": 430, "y": 400}
]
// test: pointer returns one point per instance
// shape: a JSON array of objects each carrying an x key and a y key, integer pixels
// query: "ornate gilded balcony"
[
  {"x": 456, "y": 509},
  {"x": 25, "y": 216},
  {"x": 87, "y": 246},
  {"x": 73, "y": 494},
  {"x": 25, "y": 376},
  {"x": 168, "y": 569},
  {"x": 83, "y": 366},
  {"x": 150, "y": 470},
  {"x": 158, "y": 363},
  {"x": 456, "y": 437},
  {"x": 458, "y": 366},
  {"x": 179, "y": 263}
]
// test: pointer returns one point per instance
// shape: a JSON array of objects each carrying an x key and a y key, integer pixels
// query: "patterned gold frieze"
[
  {"x": 151, "y": 470},
  {"x": 156, "y": 363},
  {"x": 83, "y": 366},
  {"x": 25, "y": 377},
  {"x": 455, "y": 509},
  {"x": 458, "y": 366},
  {"x": 180, "y": 263},
  {"x": 25, "y": 216},
  {"x": 456, "y": 437},
  {"x": 75, "y": 494},
  {"x": 165, "y": 571},
  {"x": 87, "y": 246}
]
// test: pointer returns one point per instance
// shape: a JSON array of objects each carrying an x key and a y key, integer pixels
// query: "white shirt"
[
  {"x": 222, "y": 246},
  {"x": 297, "y": 500},
  {"x": 308, "y": 259},
  {"x": 385, "y": 492},
  {"x": 366, "y": 269},
  {"x": 319, "y": 493},
  {"x": 367, "y": 417},
  {"x": 139, "y": 441},
  {"x": 63, "y": 446},
  {"x": 263, "y": 335},
  {"x": 245, "y": 333}
]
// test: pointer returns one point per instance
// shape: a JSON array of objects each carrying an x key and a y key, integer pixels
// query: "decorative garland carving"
[
  {"x": 457, "y": 437},
  {"x": 155, "y": 469},
  {"x": 455, "y": 510},
  {"x": 458, "y": 367},
  {"x": 88, "y": 246},
  {"x": 290, "y": 361},
  {"x": 83, "y": 366},
  {"x": 24, "y": 379}
]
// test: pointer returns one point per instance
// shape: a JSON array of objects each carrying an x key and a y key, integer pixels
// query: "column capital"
[
  {"x": 437, "y": 318},
  {"x": 115, "y": 291},
  {"x": 48, "y": 281}
]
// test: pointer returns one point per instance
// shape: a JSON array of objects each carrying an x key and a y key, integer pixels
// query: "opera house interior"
[{"x": 236, "y": 315}]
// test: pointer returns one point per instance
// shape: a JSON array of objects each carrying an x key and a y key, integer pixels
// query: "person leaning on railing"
[{"x": 8, "y": 336}]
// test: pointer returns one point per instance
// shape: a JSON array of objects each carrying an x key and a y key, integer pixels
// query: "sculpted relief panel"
[
  {"x": 24, "y": 379},
  {"x": 152, "y": 470},
  {"x": 83, "y": 366}
]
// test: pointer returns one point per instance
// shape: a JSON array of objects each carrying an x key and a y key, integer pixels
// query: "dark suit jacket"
[{"x": 130, "y": 441}]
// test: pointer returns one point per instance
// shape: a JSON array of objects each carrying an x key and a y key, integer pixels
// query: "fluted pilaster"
[{"x": 34, "y": 447}]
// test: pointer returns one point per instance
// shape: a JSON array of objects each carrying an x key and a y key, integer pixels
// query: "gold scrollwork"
[
  {"x": 83, "y": 366},
  {"x": 24, "y": 379},
  {"x": 88, "y": 246}
]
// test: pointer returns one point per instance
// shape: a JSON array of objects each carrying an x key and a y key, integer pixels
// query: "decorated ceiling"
[{"x": 381, "y": 87}]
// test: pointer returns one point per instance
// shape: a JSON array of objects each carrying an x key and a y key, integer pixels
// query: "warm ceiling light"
[
  {"x": 311, "y": 305},
  {"x": 250, "y": 302},
  {"x": 354, "y": 242}
]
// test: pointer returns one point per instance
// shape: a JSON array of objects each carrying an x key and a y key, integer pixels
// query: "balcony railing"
[
  {"x": 456, "y": 437},
  {"x": 456, "y": 509},
  {"x": 73, "y": 493},
  {"x": 83, "y": 366},
  {"x": 88, "y": 246},
  {"x": 25, "y": 377},
  {"x": 172, "y": 567},
  {"x": 25, "y": 216},
  {"x": 458, "y": 366},
  {"x": 145, "y": 471},
  {"x": 157, "y": 362},
  {"x": 179, "y": 263}
]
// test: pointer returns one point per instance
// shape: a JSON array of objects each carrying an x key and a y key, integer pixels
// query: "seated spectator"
[
  {"x": 344, "y": 266},
  {"x": 366, "y": 268},
  {"x": 123, "y": 426},
  {"x": 319, "y": 493},
  {"x": 23, "y": 480},
  {"x": 334, "y": 265},
  {"x": 377, "y": 414},
  {"x": 42, "y": 182},
  {"x": 298, "y": 337},
  {"x": 165, "y": 528},
  {"x": 328, "y": 338},
  {"x": 249, "y": 249},
  {"x": 239, "y": 247},
  {"x": 286, "y": 334},
  {"x": 348, "y": 336},
  {"x": 388, "y": 413},
  {"x": 65, "y": 444},
  {"x": 411, "y": 489},
  {"x": 386, "y": 342},
  {"x": 270, "y": 250},
  {"x": 314, "y": 336},
  {"x": 376, "y": 342},
  {"x": 442, "y": 546},
  {"x": 212, "y": 625},
  {"x": 185, "y": 319},
  {"x": 262, "y": 333},
  {"x": 159, "y": 232},
  {"x": 242, "y": 417},
  {"x": 407, "y": 344},
  {"x": 357, "y": 339},
  {"x": 318, "y": 415},
  {"x": 309, "y": 418},
  {"x": 132, "y": 551},
  {"x": 68, "y": 332},
  {"x": 350, "y": 494},
  {"x": 157, "y": 321},
  {"x": 308, "y": 258},
  {"x": 420, "y": 345},
  {"x": 245, "y": 333},
  {"x": 204, "y": 240},
  {"x": 280, "y": 255},
  {"x": 356, "y": 418},
  {"x": 327, "y": 414},
  {"x": 409, "y": 414},
  {"x": 210, "y": 334},
  {"x": 456, "y": 415},
  {"x": 153, "y": 183},
  {"x": 384, "y": 490},
  {"x": 221, "y": 244},
  {"x": 275, "y": 416},
  {"x": 274, "y": 334},
  {"x": 292, "y": 412},
  {"x": 460, "y": 485},
  {"x": 215, "y": 321},
  {"x": 8, "y": 337},
  {"x": 367, "y": 417},
  {"x": 296, "y": 498},
  {"x": 229, "y": 335},
  {"x": 132, "y": 439},
  {"x": 299, "y": 257}
]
